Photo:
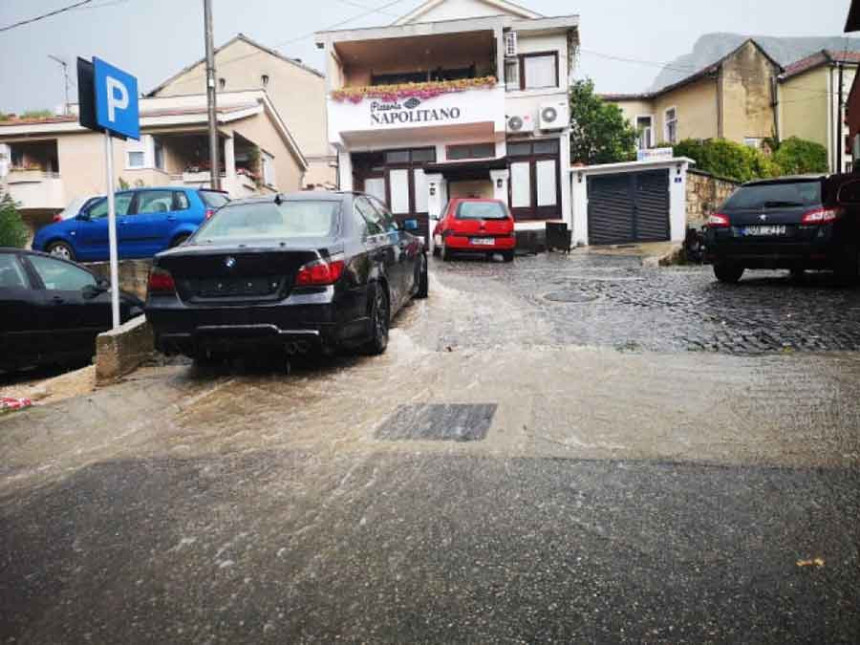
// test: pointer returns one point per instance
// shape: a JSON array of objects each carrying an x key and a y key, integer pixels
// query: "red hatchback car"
[{"x": 475, "y": 226}]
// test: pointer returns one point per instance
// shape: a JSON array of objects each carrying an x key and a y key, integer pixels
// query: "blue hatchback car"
[{"x": 148, "y": 220}]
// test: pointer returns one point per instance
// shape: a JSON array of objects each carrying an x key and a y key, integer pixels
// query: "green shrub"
[
  {"x": 742, "y": 163},
  {"x": 798, "y": 156},
  {"x": 728, "y": 159},
  {"x": 13, "y": 232}
]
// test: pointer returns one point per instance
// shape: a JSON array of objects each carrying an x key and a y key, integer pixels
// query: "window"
[
  {"x": 136, "y": 159},
  {"x": 264, "y": 79},
  {"x": 528, "y": 148},
  {"x": 384, "y": 213},
  {"x": 61, "y": 276},
  {"x": 11, "y": 273},
  {"x": 481, "y": 210},
  {"x": 752, "y": 142},
  {"x": 222, "y": 83},
  {"x": 371, "y": 216},
  {"x": 472, "y": 151},
  {"x": 776, "y": 195},
  {"x": 415, "y": 156},
  {"x": 268, "y": 220},
  {"x": 539, "y": 71},
  {"x": 512, "y": 74},
  {"x": 213, "y": 199},
  {"x": 268, "y": 162},
  {"x": 671, "y": 126},
  {"x": 122, "y": 204},
  {"x": 180, "y": 201},
  {"x": 154, "y": 201},
  {"x": 644, "y": 129},
  {"x": 159, "y": 153}
]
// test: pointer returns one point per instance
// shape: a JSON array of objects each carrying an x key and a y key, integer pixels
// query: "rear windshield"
[
  {"x": 289, "y": 219},
  {"x": 213, "y": 200},
  {"x": 783, "y": 195},
  {"x": 481, "y": 210}
]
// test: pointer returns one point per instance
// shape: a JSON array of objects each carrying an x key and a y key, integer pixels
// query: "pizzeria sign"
[{"x": 410, "y": 111}]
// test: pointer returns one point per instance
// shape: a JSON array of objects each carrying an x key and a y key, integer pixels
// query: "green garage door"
[{"x": 628, "y": 207}]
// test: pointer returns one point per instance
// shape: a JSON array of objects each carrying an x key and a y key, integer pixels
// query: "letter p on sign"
[{"x": 117, "y": 109}]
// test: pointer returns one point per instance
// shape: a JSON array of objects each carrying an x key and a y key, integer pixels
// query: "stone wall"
[
  {"x": 705, "y": 193},
  {"x": 133, "y": 275}
]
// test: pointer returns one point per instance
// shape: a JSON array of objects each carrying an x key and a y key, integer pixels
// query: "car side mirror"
[
  {"x": 91, "y": 291},
  {"x": 84, "y": 216}
]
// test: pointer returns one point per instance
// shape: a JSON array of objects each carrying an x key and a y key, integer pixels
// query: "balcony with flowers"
[{"x": 399, "y": 87}]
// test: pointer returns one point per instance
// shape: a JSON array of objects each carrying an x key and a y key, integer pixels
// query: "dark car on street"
[
  {"x": 795, "y": 223},
  {"x": 297, "y": 273},
  {"x": 51, "y": 310}
]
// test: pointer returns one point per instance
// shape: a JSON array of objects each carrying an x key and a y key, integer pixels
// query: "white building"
[{"x": 457, "y": 98}]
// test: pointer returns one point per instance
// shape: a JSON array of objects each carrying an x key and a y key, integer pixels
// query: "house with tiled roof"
[
  {"x": 810, "y": 91},
  {"x": 748, "y": 94},
  {"x": 296, "y": 89},
  {"x": 48, "y": 162}
]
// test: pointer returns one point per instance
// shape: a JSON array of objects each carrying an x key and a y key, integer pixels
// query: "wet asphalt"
[{"x": 516, "y": 469}]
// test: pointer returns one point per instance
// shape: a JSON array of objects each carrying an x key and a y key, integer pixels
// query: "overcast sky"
[{"x": 155, "y": 38}]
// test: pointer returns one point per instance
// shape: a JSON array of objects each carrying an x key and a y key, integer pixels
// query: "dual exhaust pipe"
[{"x": 299, "y": 347}]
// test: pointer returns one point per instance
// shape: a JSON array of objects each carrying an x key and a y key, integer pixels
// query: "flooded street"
[{"x": 565, "y": 449}]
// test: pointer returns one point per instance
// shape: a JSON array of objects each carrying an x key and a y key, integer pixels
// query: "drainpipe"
[{"x": 839, "y": 121}]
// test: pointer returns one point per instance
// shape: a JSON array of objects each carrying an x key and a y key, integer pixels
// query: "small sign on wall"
[{"x": 654, "y": 154}]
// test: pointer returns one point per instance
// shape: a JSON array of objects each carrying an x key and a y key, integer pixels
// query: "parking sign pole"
[{"x": 114, "y": 263}]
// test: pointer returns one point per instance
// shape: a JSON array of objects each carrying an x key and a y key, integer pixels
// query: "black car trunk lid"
[{"x": 236, "y": 273}]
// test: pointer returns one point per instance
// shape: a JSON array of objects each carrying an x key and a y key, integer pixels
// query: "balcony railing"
[{"x": 35, "y": 189}]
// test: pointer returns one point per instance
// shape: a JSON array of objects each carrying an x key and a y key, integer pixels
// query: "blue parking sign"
[{"x": 117, "y": 108}]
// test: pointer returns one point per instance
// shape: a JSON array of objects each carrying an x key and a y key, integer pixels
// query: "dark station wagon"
[{"x": 795, "y": 223}]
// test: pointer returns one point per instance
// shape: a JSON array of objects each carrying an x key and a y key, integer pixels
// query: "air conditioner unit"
[
  {"x": 520, "y": 123},
  {"x": 511, "y": 44},
  {"x": 554, "y": 116}
]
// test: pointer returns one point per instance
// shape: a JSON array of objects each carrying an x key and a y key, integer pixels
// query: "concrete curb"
[
  {"x": 121, "y": 351},
  {"x": 674, "y": 256}
]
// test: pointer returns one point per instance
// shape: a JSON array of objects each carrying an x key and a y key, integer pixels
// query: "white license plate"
[
  {"x": 765, "y": 230},
  {"x": 482, "y": 241}
]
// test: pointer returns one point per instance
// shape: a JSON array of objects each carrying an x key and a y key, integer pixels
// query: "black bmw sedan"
[
  {"x": 298, "y": 273},
  {"x": 51, "y": 310}
]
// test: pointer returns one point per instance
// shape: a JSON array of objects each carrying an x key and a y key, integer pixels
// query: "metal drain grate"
[{"x": 440, "y": 422}]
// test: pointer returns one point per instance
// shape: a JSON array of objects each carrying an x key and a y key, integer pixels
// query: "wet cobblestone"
[{"x": 593, "y": 300}]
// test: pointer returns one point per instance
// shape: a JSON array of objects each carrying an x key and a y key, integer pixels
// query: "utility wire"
[
  {"x": 45, "y": 15},
  {"x": 277, "y": 46}
]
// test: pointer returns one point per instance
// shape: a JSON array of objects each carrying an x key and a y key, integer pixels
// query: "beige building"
[
  {"x": 50, "y": 162},
  {"x": 733, "y": 98},
  {"x": 296, "y": 90},
  {"x": 809, "y": 102}
]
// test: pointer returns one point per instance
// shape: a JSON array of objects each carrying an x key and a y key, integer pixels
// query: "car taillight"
[
  {"x": 320, "y": 273},
  {"x": 161, "y": 282},
  {"x": 718, "y": 220},
  {"x": 57, "y": 218},
  {"x": 209, "y": 213},
  {"x": 820, "y": 216}
]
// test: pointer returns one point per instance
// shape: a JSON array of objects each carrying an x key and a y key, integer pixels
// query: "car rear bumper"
[
  {"x": 464, "y": 243},
  {"x": 809, "y": 248},
  {"x": 186, "y": 329}
]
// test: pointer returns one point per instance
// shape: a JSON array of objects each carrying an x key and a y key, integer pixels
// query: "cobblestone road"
[{"x": 588, "y": 299}]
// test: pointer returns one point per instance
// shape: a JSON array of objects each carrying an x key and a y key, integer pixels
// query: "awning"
[{"x": 463, "y": 170}]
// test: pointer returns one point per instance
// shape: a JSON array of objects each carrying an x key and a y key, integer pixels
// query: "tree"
[
  {"x": 797, "y": 156},
  {"x": 599, "y": 133},
  {"x": 13, "y": 231}
]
